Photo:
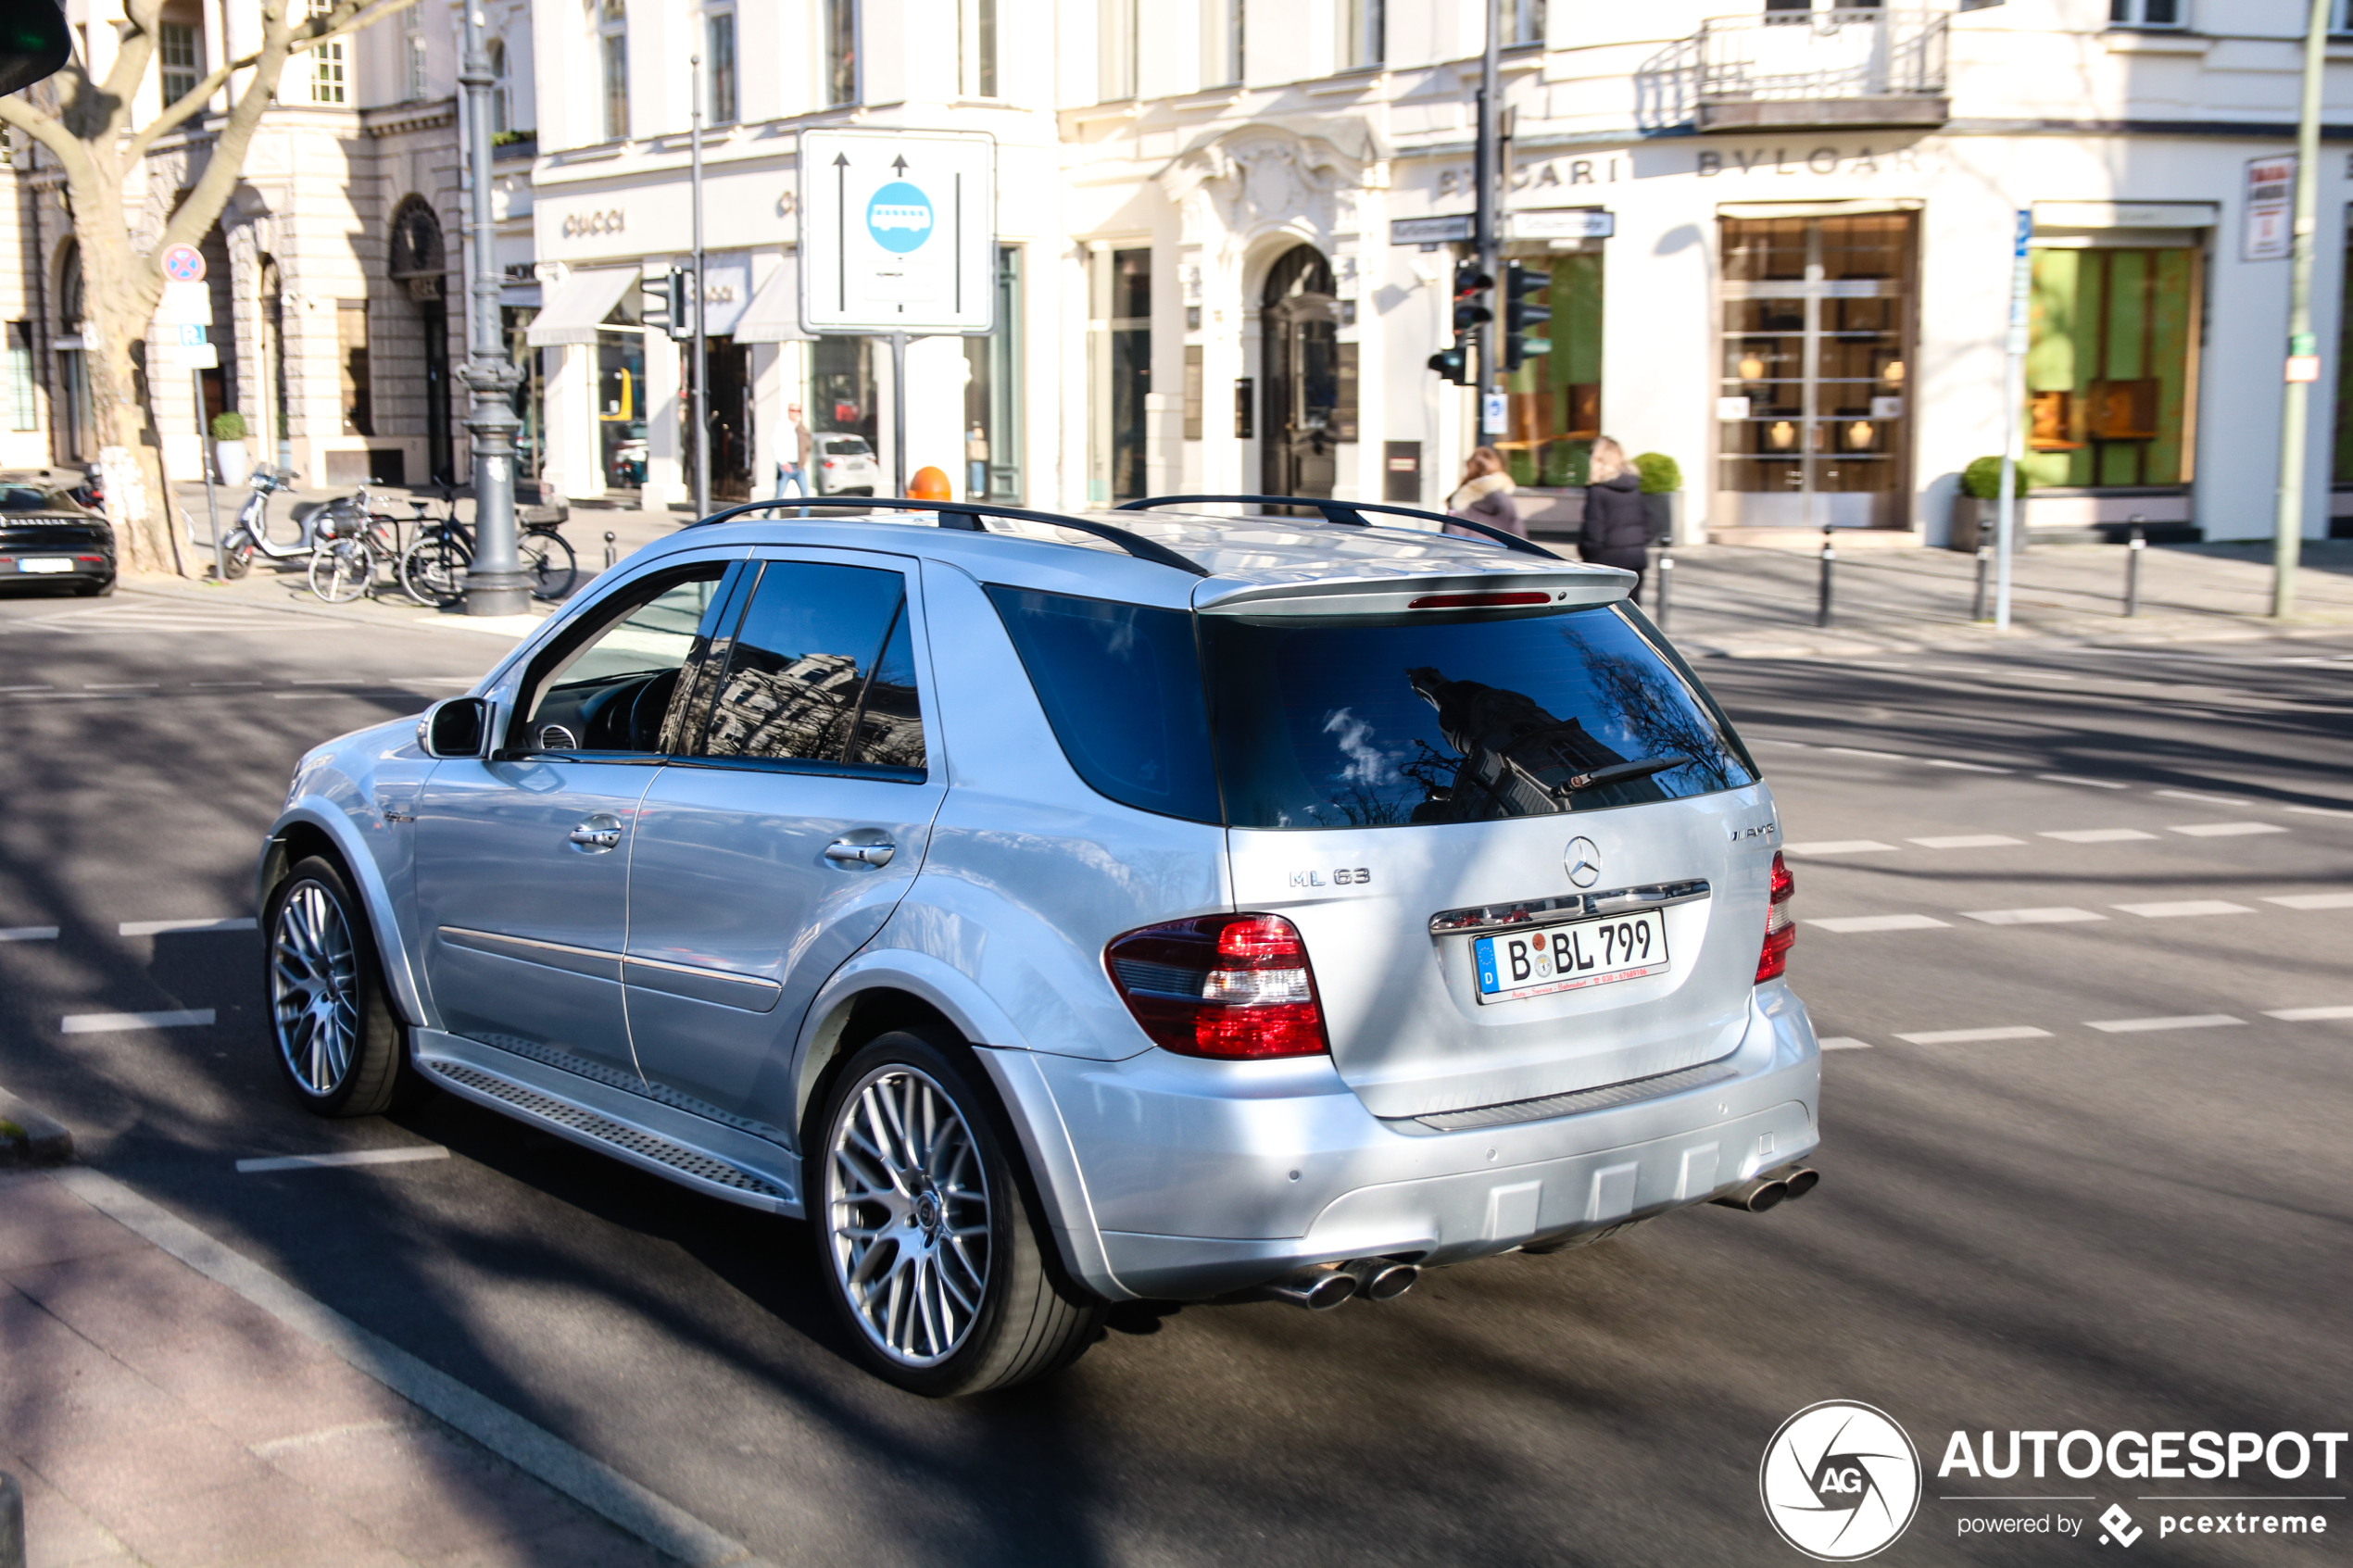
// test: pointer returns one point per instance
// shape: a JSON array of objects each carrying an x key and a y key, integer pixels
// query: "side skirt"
[{"x": 677, "y": 1145}]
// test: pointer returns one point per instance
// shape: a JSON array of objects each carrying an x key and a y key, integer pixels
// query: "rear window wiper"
[{"x": 1620, "y": 772}]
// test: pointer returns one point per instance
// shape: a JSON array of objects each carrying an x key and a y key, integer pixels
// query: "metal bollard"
[
  {"x": 2133, "y": 548},
  {"x": 1984, "y": 565},
  {"x": 1830, "y": 554},
  {"x": 609, "y": 557},
  {"x": 1666, "y": 585},
  {"x": 11, "y": 1522}
]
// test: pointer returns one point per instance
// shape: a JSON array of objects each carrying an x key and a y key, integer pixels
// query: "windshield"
[{"x": 1374, "y": 722}]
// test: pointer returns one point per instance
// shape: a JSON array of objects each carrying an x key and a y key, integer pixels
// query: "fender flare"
[{"x": 392, "y": 953}]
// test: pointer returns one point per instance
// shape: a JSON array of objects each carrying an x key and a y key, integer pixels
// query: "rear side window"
[
  {"x": 1379, "y": 722},
  {"x": 1121, "y": 684}
]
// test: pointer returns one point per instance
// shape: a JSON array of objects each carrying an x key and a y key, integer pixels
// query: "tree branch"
[
  {"x": 193, "y": 103},
  {"x": 49, "y": 130}
]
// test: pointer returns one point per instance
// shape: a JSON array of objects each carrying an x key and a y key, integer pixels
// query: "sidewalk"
[{"x": 155, "y": 1414}]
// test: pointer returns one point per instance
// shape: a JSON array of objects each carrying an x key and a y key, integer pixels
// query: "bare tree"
[{"x": 85, "y": 125}]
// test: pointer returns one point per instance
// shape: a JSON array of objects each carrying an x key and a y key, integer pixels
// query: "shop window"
[
  {"x": 2341, "y": 468},
  {"x": 719, "y": 61},
  {"x": 612, "y": 43},
  {"x": 351, "y": 367},
  {"x": 2108, "y": 366},
  {"x": 993, "y": 395},
  {"x": 841, "y": 52},
  {"x": 530, "y": 396},
  {"x": 977, "y": 23},
  {"x": 2148, "y": 13},
  {"x": 1120, "y": 344},
  {"x": 181, "y": 60},
  {"x": 842, "y": 389},
  {"x": 1556, "y": 395}
]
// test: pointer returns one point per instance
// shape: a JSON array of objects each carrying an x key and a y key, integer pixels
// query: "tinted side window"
[
  {"x": 820, "y": 672},
  {"x": 1121, "y": 684},
  {"x": 612, "y": 690}
]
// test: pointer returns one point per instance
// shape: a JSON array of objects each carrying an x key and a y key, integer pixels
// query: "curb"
[
  {"x": 196, "y": 593},
  {"x": 28, "y": 1137}
]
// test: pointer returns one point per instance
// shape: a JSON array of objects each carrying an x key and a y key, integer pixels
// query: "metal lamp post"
[{"x": 494, "y": 583}]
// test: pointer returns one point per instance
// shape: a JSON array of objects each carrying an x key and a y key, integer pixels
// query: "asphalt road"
[{"x": 2114, "y": 1211}]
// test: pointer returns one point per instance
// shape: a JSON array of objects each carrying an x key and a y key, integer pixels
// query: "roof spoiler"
[
  {"x": 966, "y": 516},
  {"x": 1350, "y": 514}
]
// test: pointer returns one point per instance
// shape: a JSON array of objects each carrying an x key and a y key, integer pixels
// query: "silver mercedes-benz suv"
[{"x": 1056, "y": 910}]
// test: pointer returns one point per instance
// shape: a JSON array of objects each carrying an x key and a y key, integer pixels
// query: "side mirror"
[{"x": 456, "y": 727}]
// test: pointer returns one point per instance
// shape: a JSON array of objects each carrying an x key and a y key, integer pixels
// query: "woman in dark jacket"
[{"x": 1617, "y": 530}]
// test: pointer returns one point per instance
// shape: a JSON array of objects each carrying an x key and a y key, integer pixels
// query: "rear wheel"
[
  {"x": 432, "y": 571},
  {"x": 337, "y": 1041},
  {"x": 341, "y": 570},
  {"x": 547, "y": 561},
  {"x": 926, "y": 1244}
]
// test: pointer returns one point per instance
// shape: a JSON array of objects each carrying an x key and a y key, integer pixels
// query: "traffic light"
[
  {"x": 34, "y": 42},
  {"x": 1452, "y": 364},
  {"x": 1471, "y": 312},
  {"x": 678, "y": 303},
  {"x": 1524, "y": 319}
]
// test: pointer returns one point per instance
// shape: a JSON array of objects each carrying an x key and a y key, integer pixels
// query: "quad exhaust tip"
[
  {"x": 1383, "y": 1279},
  {"x": 1760, "y": 1193},
  {"x": 1320, "y": 1289}
]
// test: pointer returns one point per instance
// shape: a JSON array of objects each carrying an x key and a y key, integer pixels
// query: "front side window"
[
  {"x": 611, "y": 691},
  {"x": 820, "y": 672},
  {"x": 612, "y": 42},
  {"x": 1391, "y": 721}
]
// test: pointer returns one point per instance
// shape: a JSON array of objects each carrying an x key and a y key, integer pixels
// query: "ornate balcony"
[{"x": 1823, "y": 70}]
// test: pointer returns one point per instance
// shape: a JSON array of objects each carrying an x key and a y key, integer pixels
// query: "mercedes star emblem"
[{"x": 1584, "y": 860}]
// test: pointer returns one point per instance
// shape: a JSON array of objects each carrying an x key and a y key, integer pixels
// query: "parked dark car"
[{"x": 46, "y": 536}]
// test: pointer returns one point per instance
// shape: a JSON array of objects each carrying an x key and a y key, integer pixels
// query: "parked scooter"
[{"x": 316, "y": 521}]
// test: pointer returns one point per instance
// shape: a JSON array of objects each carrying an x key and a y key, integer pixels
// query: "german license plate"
[
  {"x": 44, "y": 564},
  {"x": 1569, "y": 957}
]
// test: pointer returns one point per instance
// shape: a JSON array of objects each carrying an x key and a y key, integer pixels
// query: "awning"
[
  {"x": 773, "y": 315},
  {"x": 577, "y": 307}
]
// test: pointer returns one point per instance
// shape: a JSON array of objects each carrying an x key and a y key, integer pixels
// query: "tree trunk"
[{"x": 118, "y": 300}]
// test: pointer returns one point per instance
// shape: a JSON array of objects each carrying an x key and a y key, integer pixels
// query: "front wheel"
[
  {"x": 338, "y": 1045},
  {"x": 926, "y": 1243},
  {"x": 341, "y": 570},
  {"x": 237, "y": 555},
  {"x": 432, "y": 571},
  {"x": 547, "y": 561}
]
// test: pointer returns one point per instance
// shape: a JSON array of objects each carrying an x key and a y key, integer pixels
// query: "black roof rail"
[
  {"x": 1349, "y": 514},
  {"x": 966, "y": 516}
]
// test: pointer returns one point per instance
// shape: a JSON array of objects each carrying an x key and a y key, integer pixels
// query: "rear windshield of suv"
[{"x": 1376, "y": 722}]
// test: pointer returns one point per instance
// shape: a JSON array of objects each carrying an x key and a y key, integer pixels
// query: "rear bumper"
[
  {"x": 1200, "y": 1178},
  {"x": 86, "y": 565}
]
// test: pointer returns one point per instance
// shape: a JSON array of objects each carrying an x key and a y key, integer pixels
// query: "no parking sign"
[{"x": 183, "y": 264}]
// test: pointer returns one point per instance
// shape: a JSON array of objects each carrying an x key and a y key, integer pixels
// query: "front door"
[
  {"x": 780, "y": 844},
  {"x": 1302, "y": 333},
  {"x": 522, "y": 859}
]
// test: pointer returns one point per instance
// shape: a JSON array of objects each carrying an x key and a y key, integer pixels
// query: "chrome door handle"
[
  {"x": 596, "y": 834},
  {"x": 844, "y": 853}
]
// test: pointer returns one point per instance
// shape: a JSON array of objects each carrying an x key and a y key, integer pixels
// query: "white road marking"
[
  {"x": 2224, "y": 830},
  {"x": 28, "y": 688},
  {"x": 2313, "y": 900},
  {"x": 2305, "y": 1015},
  {"x": 1969, "y": 1036},
  {"x": 2092, "y": 783},
  {"x": 1836, "y": 846},
  {"x": 110, "y": 1023},
  {"x": 122, "y": 685},
  {"x": 2144, "y": 1025},
  {"x": 2179, "y": 908},
  {"x": 1858, "y": 751},
  {"x": 1879, "y": 923},
  {"x": 1845, "y": 1043},
  {"x": 158, "y": 927},
  {"x": 2096, "y": 836},
  {"x": 2192, "y": 794},
  {"x": 28, "y": 934},
  {"x": 220, "y": 686},
  {"x": 2057, "y": 915},
  {"x": 2318, "y": 811},
  {"x": 1967, "y": 767},
  {"x": 1968, "y": 841},
  {"x": 353, "y": 1156},
  {"x": 305, "y": 697},
  {"x": 330, "y": 681}
]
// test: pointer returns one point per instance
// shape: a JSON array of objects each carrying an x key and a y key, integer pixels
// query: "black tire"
[
  {"x": 1029, "y": 1320},
  {"x": 97, "y": 590},
  {"x": 432, "y": 572},
  {"x": 547, "y": 561},
  {"x": 373, "y": 1075},
  {"x": 237, "y": 555}
]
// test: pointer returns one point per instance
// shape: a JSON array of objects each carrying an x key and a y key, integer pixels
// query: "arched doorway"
[
  {"x": 417, "y": 264},
  {"x": 1303, "y": 424}
]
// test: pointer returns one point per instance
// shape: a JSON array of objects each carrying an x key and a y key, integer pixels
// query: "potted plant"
[
  {"x": 1662, "y": 498},
  {"x": 228, "y": 446},
  {"x": 1977, "y": 505}
]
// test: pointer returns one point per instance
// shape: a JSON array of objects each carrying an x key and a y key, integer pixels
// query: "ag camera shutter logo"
[{"x": 1839, "y": 1481}]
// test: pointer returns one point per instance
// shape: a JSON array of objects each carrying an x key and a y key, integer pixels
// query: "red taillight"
[
  {"x": 1476, "y": 601},
  {"x": 1235, "y": 986},
  {"x": 1780, "y": 930}
]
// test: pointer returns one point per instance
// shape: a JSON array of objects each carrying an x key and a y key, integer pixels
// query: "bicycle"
[
  {"x": 433, "y": 570},
  {"x": 343, "y": 566}
]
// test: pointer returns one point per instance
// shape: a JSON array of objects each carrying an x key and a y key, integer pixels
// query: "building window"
[
  {"x": 2340, "y": 17},
  {"x": 1121, "y": 341},
  {"x": 181, "y": 59},
  {"x": 15, "y": 387},
  {"x": 841, "y": 52},
  {"x": 501, "y": 105},
  {"x": 1361, "y": 26},
  {"x": 1555, "y": 395},
  {"x": 2148, "y": 13},
  {"x": 2108, "y": 376},
  {"x": 719, "y": 64},
  {"x": 413, "y": 53},
  {"x": 351, "y": 366},
  {"x": 1523, "y": 23},
  {"x": 330, "y": 70},
  {"x": 993, "y": 395},
  {"x": 977, "y": 20},
  {"x": 1116, "y": 43},
  {"x": 612, "y": 40}
]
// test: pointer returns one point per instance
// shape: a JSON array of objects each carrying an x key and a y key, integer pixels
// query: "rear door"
[{"x": 1524, "y": 850}]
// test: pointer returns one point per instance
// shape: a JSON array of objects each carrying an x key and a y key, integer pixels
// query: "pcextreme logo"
[{"x": 1839, "y": 1481}]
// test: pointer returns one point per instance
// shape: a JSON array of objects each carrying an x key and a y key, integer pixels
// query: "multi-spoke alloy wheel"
[
  {"x": 909, "y": 1206},
  {"x": 338, "y": 1044},
  {"x": 924, "y": 1229}
]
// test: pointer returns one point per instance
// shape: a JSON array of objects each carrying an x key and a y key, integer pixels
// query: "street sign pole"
[
  {"x": 203, "y": 461},
  {"x": 1490, "y": 95},
  {"x": 2303, "y": 348},
  {"x": 898, "y": 413},
  {"x": 702, "y": 407},
  {"x": 2013, "y": 405},
  {"x": 495, "y": 581}
]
